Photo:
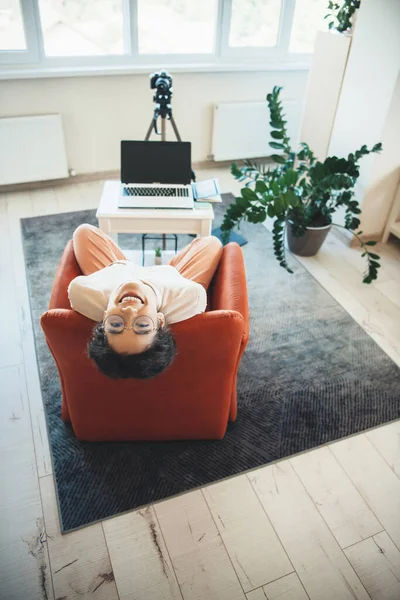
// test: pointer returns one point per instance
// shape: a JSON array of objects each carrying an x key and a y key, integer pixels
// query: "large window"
[
  {"x": 82, "y": 27},
  {"x": 176, "y": 26},
  {"x": 254, "y": 24},
  {"x": 308, "y": 18},
  {"x": 12, "y": 36},
  {"x": 102, "y": 34}
]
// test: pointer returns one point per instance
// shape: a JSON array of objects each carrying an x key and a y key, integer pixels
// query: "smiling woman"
[
  {"x": 130, "y": 317},
  {"x": 151, "y": 361},
  {"x": 142, "y": 325},
  {"x": 133, "y": 305}
]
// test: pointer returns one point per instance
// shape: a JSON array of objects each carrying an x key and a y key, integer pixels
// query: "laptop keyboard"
[{"x": 157, "y": 191}]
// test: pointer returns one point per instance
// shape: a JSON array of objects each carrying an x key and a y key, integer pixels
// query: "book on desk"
[{"x": 207, "y": 191}]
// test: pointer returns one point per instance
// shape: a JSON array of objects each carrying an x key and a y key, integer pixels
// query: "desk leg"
[
  {"x": 105, "y": 225},
  {"x": 205, "y": 227}
]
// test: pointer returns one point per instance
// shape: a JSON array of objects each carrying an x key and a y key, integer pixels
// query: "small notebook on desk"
[{"x": 207, "y": 191}]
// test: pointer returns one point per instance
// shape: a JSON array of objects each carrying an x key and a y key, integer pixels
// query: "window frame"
[{"x": 33, "y": 60}]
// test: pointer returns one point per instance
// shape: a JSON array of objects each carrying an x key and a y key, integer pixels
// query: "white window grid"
[{"x": 34, "y": 57}]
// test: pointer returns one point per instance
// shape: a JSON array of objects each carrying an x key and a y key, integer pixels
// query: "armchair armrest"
[
  {"x": 229, "y": 292},
  {"x": 67, "y": 270},
  {"x": 229, "y": 288}
]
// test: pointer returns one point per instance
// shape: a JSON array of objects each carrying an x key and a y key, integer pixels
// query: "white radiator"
[
  {"x": 32, "y": 149},
  {"x": 242, "y": 130}
]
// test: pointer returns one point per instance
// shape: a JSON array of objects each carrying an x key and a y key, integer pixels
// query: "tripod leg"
[
  {"x": 178, "y": 137},
  {"x": 175, "y": 128},
  {"x": 163, "y": 139},
  {"x": 163, "y": 129},
  {"x": 146, "y": 139}
]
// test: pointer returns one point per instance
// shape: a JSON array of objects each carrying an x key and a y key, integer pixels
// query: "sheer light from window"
[
  {"x": 254, "y": 23},
  {"x": 177, "y": 26},
  {"x": 82, "y": 27},
  {"x": 308, "y": 19},
  {"x": 12, "y": 36}
]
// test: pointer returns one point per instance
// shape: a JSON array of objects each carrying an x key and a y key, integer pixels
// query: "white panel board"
[
  {"x": 242, "y": 130},
  {"x": 32, "y": 149},
  {"x": 323, "y": 91}
]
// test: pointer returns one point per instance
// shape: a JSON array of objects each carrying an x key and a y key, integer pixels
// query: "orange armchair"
[{"x": 193, "y": 399}]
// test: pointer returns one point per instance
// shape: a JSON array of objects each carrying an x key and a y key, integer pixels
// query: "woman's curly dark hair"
[{"x": 149, "y": 363}]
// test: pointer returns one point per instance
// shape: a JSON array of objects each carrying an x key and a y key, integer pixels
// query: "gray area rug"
[{"x": 309, "y": 375}]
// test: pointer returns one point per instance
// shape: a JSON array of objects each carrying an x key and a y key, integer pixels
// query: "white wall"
[
  {"x": 368, "y": 90},
  {"x": 98, "y": 112}
]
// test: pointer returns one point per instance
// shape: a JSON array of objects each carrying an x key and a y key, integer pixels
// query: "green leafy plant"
[
  {"x": 157, "y": 252},
  {"x": 300, "y": 189},
  {"x": 341, "y": 15}
]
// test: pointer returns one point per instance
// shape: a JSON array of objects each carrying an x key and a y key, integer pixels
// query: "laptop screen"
[{"x": 155, "y": 162}]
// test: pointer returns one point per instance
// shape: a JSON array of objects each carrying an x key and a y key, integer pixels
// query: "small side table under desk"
[{"x": 114, "y": 220}]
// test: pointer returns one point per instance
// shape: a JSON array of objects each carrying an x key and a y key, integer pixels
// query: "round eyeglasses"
[{"x": 141, "y": 325}]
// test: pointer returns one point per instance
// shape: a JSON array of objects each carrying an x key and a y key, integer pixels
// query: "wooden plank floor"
[{"x": 323, "y": 525}]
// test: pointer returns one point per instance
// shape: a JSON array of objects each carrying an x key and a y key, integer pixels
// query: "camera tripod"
[
  {"x": 165, "y": 112},
  {"x": 162, "y": 83}
]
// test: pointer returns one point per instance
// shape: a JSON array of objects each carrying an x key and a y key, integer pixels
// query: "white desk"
[{"x": 114, "y": 220}]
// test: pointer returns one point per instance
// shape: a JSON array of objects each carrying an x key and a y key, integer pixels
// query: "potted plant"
[
  {"x": 341, "y": 15},
  {"x": 157, "y": 256},
  {"x": 300, "y": 193}
]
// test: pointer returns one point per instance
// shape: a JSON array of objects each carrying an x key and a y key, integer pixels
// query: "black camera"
[{"x": 162, "y": 82}]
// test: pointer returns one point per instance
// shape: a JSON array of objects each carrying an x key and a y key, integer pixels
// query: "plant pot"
[
  {"x": 158, "y": 260},
  {"x": 310, "y": 242}
]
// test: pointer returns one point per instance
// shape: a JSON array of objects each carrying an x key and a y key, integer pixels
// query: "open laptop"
[{"x": 156, "y": 175}]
